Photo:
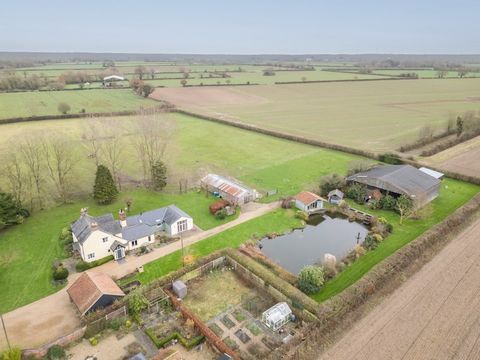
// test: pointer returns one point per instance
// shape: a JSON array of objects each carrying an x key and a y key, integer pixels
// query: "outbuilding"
[
  {"x": 335, "y": 197},
  {"x": 309, "y": 202},
  {"x": 229, "y": 190},
  {"x": 179, "y": 288},
  {"x": 94, "y": 290},
  {"x": 277, "y": 316}
]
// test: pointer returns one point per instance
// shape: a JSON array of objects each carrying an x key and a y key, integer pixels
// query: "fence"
[
  {"x": 94, "y": 327},
  {"x": 204, "y": 269}
]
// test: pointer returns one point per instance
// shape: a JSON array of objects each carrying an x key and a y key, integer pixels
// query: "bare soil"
[{"x": 434, "y": 315}]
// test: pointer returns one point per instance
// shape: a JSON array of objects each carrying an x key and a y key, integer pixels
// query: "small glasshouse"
[{"x": 277, "y": 316}]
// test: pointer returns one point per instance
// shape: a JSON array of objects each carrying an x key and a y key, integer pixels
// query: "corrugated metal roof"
[{"x": 228, "y": 186}]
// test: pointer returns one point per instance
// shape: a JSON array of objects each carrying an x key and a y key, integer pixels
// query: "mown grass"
[
  {"x": 453, "y": 194},
  {"x": 29, "y": 249}
]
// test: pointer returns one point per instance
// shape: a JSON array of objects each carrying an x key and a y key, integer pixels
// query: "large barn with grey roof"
[
  {"x": 400, "y": 180},
  {"x": 96, "y": 237}
]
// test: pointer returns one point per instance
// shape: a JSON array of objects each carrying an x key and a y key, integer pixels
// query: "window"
[
  {"x": 91, "y": 256},
  {"x": 105, "y": 239},
  {"x": 149, "y": 238},
  {"x": 134, "y": 243},
  {"x": 182, "y": 225}
]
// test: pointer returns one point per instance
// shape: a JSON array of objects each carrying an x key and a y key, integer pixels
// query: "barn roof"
[
  {"x": 400, "y": 179},
  {"x": 434, "y": 173},
  {"x": 90, "y": 287},
  {"x": 308, "y": 197},
  {"x": 228, "y": 186},
  {"x": 113, "y": 77}
]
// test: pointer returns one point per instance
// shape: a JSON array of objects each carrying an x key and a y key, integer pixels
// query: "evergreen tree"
[
  {"x": 104, "y": 190},
  {"x": 159, "y": 175},
  {"x": 10, "y": 212}
]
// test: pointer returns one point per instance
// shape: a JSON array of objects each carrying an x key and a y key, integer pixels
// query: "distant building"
[
  {"x": 309, "y": 202},
  {"x": 399, "y": 180},
  {"x": 108, "y": 80},
  {"x": 98, "y": 237},
  {"x": 232, "y": 191},
  {"x": 92, "y": 291},
  {"x": 335, "y": 197}
]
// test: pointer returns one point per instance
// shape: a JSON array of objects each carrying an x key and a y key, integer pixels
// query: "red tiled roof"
[
  {"x": 308, "y": 197},
  {"x": 89, "y": 287}
]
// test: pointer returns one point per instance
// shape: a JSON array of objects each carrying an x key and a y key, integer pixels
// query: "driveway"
[{"x": 47, "y": 319}]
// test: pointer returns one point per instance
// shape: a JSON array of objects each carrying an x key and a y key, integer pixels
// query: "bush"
[
  {"x": 388, "y": 202},
  {"x": 302, "y": 215},
  {"x": 60, "y": 273},
  {"x": 311, "y": 279},
  {"x": 13, "y": 354},
  {"x": 115, "y": 324},
  {"x": 221, "y": 214},
  {"x": 63, "y": 107},
  {"x": 83, "y": 265},
  {"x": 93, "y": 341},
  {"x": 136, "y": 303},
  {"x": 389, "y": 158},
  {"x": 357, "y": 192},
  {"x": 56, "y": 353},
  {"x": 331, "y": 182}
]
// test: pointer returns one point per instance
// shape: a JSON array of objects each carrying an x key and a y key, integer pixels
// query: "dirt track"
[{"x": 434, "y": 315}]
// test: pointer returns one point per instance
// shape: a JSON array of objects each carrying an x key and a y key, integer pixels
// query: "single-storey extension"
[
  {"x": 92, "y": 291},
  {"x": 97, "y": 237},
  {"x": 309, "y": 202},
  {"x": 400, "y": 180},
  {"x": 235, "y": 193}
]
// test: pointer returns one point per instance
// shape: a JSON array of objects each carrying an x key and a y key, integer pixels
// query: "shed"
[
  {"x": 335, "y": 196},
  {"x": 309, "y": 202},
  {"x": 277, "y": 316},
  {"x": 179, "y": 288},
  {"x": 94, "y": 290}
]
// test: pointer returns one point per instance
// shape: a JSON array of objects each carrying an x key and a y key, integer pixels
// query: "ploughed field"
[
  {"x": 433, "y": 315},
  {"x": 376, "y": 115}
]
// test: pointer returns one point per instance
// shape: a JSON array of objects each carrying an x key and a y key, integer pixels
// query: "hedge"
[
  {"x": 186, "y": 343},
  {"x": 83, "y": 265}
]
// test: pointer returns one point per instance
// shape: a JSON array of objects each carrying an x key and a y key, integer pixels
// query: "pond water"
[{"x": 323, "y": 234}]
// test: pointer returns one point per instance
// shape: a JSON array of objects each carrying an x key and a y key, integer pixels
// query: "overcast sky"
[{"x": 242, "y": 26}]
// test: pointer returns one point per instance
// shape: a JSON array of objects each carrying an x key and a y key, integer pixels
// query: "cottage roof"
[
  {"x": 137, "y": 231},
  {"x": 400, "y": 179},
  {"x": 82, "y": 228},
  {"x": 308, "y": 197},
  {"x": 228, "y": 186},
  {"x": 157, "y": 217},
  {"x": 337, "y": 193},
  {"x": 90, "y": 287}
]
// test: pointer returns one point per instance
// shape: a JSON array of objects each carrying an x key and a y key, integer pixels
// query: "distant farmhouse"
[
  {"x": 92, "y": 291},
  {"x": 233, "y": 192},
  {"x": 400, "y": 180},
  {"x": 97, "y": 237}
]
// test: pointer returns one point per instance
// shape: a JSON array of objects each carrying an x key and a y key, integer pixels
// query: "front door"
[{"x": 119, "y": 253}]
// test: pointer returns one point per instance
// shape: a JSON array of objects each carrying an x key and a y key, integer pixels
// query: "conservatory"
[{"x": 277, "y": 316}]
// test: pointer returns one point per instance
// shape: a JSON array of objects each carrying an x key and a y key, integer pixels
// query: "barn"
[
  {"x": 92, "y": 291},
  {"x": 399, "y": 180},
  {"x": 232, "y": 191}
]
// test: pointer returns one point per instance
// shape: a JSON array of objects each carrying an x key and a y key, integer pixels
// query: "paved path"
[
  {"x": 53, "y": 316},
  {"x": 434, "y": 315}
]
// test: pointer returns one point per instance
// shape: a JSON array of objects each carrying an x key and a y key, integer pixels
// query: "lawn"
[
  {"x": 453, "y": 194},
  {"x": 29, "y": 249},
  {"x": 214, "y": 293},
  {"x": 376, "y": 115},
  {"x": 276, "y": 221},
  {"x": 38, "y": 103}
]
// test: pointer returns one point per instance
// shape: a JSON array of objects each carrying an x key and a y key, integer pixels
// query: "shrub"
[
  {"x": 63, "y": 108},
  {"x": 136, "y": 303},
  {"x": 388, "y": 202},
  {"x": 83, "y": 265},
  {"x": 93, "y": 341},
  {"x": 377, "y": 237},
  {"x": 331, "y": 182},
  {"x": 12, "y": 354},
  {"x": 60, "y": 273},
  {"x": 302, "y": 215},
  {"x": 357, "y": 192},
  {"x": 221, "y": 214},
  {"x": 56, "y": 353},
  {"x": 389, "y": 158},
  {"x": 311, "y": 279},
  {"x": 115, "y": 324}
]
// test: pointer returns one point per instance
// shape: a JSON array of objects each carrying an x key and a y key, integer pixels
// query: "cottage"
[
  {"x": 309, "y": 202},
  {"x": 98, "y": 237},
  {"x": 92, "y": 291},
  {"x": 335, "y": 197},
  {"x": 277, "y": 316},
  {"x": 235, "y": 193},
  {"x": 400, "y": 180}
]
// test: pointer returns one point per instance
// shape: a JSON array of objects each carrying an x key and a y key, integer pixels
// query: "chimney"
[
  {"x": 94, "y": 226},
  {"x": 122, "y": 217},
  {"x": 83, "y": 211}
]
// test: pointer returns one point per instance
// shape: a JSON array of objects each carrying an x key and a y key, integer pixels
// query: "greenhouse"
[{"x": 277, "y": 316}]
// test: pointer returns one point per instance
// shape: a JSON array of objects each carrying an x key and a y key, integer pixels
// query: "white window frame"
[
  {"x": 91, "y": 256},
  {"x": 134, "y": 242},
  {"x": 105, "y": 239},
  {"x": 182, "y": 225}
]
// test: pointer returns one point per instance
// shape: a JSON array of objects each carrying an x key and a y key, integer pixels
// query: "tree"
[
  {"x": 15, "y": 173},
  {"x": 140, "y": 70},
  {"x": 147, "y": 89},
  {"x": 10, "y": 212},
  {"x": 404, "y": 206},
  {"x": 32, "y": 156},
  {"x": 112, "y": 147},
  {"x": 357, "y": 192},
  {"x": 136, "y": 303},
  {"x": 357, "y": 166},
  {"x": 311, "y": 279},
  {"x": 63, "y": 108},
  {"x": 331, "y": 182},
  {"x": 104, "y": 189},
  {"x": 183, "y": 82},
  {"x": 459, "y": 126},
  {"x": 92, "y": 135},
  {"x": 159, "y": 175}
]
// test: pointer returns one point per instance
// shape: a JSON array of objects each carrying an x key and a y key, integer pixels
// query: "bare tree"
[
  {"x": 92, "y": 135},
  {"x": 30, "y": 149},
  {"x": 112, "y": 148},
  {"x": 15, "y": 174},
  {"x": 59, "y": 161}
]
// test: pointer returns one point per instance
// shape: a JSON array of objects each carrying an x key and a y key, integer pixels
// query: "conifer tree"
[
  {"x": 159, "y": 175},
  {"x": 104, "y": 190}
]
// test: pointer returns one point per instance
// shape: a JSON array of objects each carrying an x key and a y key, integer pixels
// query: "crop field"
[
  {"x": 38, "y": 103},
  {"x": 378, "y": 116},
  {"x": 424, "y": 73}
]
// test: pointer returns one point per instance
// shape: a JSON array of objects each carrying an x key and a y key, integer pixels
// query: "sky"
[{"x": 241, "y": 27}]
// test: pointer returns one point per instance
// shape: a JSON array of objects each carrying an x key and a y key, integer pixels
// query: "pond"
[{"x": 323, "y": 234}]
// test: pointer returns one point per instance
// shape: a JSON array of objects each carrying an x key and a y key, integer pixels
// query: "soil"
[{"x": 434, "y": 315}]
